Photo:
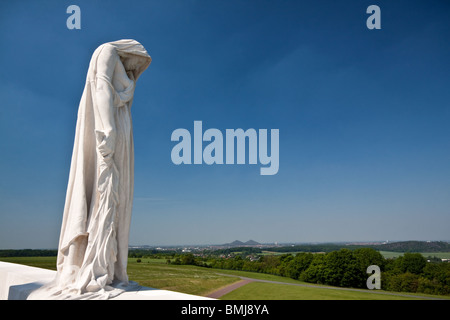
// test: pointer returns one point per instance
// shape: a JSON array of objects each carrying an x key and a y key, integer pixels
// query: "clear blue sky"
[{"x": 363, "y": 116}]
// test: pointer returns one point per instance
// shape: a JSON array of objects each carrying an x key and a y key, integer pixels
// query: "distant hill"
[
  {"x": 238, "y": 243},
  {"x": 414, "y": 246}
]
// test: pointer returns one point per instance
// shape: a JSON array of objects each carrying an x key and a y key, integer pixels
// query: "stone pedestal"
[{"x": 18, "y": 281}]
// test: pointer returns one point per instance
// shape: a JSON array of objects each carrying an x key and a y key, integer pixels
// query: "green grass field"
[
  {"x": 40, "y": 262},
  {"x": 155, "y": 273},
  {"x": 271, "y": 291}
]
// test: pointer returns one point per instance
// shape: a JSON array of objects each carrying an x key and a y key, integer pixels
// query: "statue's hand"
[{"x": 105, "y": 143}]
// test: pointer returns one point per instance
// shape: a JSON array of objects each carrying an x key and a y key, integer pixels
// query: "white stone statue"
[{"x": 93, "y": 245}]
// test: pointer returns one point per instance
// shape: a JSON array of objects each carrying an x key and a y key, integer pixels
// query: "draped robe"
[{"x": 93, "y": 245}]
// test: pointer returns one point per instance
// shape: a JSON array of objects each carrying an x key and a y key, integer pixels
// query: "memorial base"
[{"x": 18, "y": 281}]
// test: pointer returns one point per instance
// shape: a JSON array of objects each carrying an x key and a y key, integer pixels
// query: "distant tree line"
[
  {"x": 189, "y": 259},
  {"x": 322, "y": 247},
  {"x": 243, "y": 250},
  {"x": 150, "y": 253},
  {"x": 401, "y": 246},
  {"x": 28, "y": 253},
  {"x": 343, "y": 268},
  {"x": 414, "y": 246}
]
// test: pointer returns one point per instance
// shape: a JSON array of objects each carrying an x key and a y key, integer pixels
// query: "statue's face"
[
  {"x": 134, "y": 64},
  {"x": 131, "y": 62}
]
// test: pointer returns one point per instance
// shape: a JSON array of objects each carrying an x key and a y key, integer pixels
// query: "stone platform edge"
[{"x": 18, "y": 281}]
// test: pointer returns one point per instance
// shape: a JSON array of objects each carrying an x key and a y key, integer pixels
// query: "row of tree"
[
  {"x": 343, "y": 268},
  {"x": 28, "y": 253}
]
